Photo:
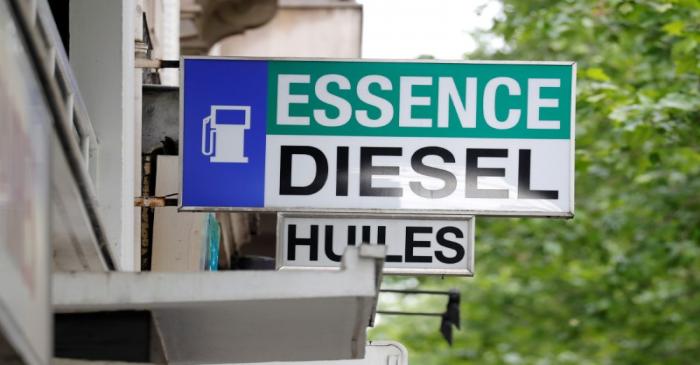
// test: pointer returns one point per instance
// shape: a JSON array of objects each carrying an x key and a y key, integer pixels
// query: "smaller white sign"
[
  {"x": 416, "y": 244},
  {"x": 376, "y": 353}
]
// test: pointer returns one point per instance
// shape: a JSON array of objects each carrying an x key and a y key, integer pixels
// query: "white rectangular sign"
[
  {"x": 416, "y": 244},
  {"x": 491, "y": 138}
]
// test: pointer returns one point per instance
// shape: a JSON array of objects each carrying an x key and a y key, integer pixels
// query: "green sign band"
[{"x": 420, "y": 99}]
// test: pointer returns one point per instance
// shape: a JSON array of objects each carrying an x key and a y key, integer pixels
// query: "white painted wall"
[
  {"x": 302, "y": 29},
  {"x": 102, "y": 57},
  {"x": 25, "y": 148},
  {"x": 178, "y": 238}
]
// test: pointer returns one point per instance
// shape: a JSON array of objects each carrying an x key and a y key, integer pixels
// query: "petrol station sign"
[
  {"x": 493, "y": 138},
  {"x": 415, "y": 244}
]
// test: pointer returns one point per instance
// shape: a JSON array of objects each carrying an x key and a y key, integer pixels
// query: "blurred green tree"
[{"x": 620, "y": 283}]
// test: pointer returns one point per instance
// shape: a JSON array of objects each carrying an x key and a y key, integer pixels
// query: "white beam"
[{"x": 102, "y": 57}]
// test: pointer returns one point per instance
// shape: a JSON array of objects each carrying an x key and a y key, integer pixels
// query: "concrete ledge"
[{"x": 244, "y": 316}]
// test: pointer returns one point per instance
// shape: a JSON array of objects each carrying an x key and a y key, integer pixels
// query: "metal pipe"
[
  {"x": 414, "y": 291},
  {"x": 399, "y": 313},
  {"x": 148, "y": 63}
]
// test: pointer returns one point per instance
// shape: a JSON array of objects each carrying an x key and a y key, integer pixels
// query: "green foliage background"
[{"x": 620, "y": 283}]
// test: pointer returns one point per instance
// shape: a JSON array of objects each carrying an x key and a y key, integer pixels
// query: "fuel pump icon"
[{"x": 223, "y": 133}]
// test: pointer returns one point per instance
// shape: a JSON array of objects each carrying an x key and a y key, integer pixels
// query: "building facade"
[{"x": 80, "y": 215}]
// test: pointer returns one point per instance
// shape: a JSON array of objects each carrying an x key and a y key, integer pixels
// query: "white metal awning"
[{"x": 242, "y": 316}]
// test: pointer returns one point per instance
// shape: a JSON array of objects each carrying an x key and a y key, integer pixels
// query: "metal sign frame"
[
  {"x": 468, "y": 249},
  {"x": 474, "y": 212}
]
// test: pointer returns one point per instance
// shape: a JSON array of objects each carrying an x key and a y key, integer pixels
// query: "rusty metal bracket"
[
  {"x": 155, "y": 201},
  {"x": 155, "y": 63}
]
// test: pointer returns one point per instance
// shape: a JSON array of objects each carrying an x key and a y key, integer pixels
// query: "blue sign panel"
[{"x": 224, "y": 103}]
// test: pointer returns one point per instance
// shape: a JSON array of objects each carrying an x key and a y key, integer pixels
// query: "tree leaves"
[{"x": 620, "y": 283}]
